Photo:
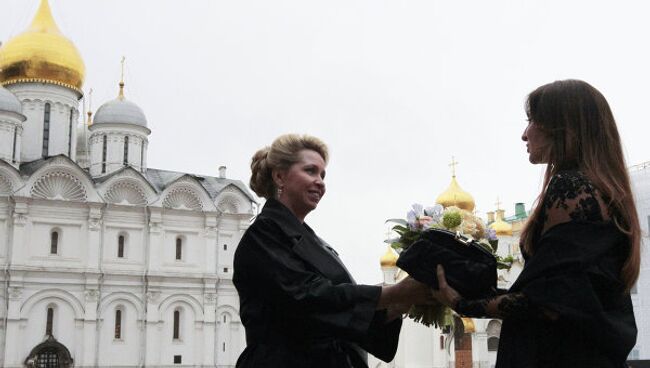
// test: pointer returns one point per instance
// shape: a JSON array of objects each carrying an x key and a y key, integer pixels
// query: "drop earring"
[{"x": 280, "y": 189}]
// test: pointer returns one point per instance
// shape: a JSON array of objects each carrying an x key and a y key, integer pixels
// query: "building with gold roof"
[{"x": 108, "y": 262}]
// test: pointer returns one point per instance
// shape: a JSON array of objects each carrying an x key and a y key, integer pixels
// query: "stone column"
[
  {"x": 153, "y": 330},
  {"x": 14, "y": 346}
]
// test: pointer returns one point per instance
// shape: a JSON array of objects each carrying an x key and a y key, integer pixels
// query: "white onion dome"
[
  {"x": 120, "y": 111},
  {"x": 9, "y": 102}
]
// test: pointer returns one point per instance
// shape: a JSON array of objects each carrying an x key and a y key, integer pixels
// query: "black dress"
[
  {"x": 568, "y": 308},
  {"x": 298, "y": 303}
]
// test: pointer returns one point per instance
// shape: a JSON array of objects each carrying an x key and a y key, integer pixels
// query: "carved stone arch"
[
  {"x": 61, "y": 179},
  {"x": 126, "y": 192},
  {"x": 232, "y": 313},
  {"x": 183, "y": 198},
  {"x": 186, "y": 193},
  {"x": 59, "y": 185},
  {"x": 232, "y": 200},
  {"x": 125, "y": 298},
  {"x": 62, "y": 295},
  {"x": 10, "y": 180},
  {"x": 184, "y": 299}
]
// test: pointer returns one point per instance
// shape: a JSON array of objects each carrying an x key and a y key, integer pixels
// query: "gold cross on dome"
[{"x": 453, "y": 165}]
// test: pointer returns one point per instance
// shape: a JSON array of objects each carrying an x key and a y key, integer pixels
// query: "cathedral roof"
[
  {"x": 9, "y": 102},
  {"x": 42, "y": 54},
  {"x": 120, "y": 111}
]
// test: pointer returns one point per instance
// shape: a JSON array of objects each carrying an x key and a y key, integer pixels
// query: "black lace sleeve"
[
  {"x": 513, "y": 305},
  {"x": 571, "y": 196}
]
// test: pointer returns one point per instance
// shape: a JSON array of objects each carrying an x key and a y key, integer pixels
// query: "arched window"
[
  {"x": 46, "y": 130},
  {"x": 54, "y": 242},
  {"x": 493, "y": 331},
  {"x": 177, "y": 324},
  {"x": 225, "y": 247},
  {"x": 120, "y": 246},
  {"x": 179, "y": 248},
  {"x": 50, "y": 321},
  {"x": 442, "y": 342},
  {"x": 118, "y": 324},
  {"x": 104, "y": 143},
  {"x": 126, "y": 151},
  {"x": 70, "y": 133}
]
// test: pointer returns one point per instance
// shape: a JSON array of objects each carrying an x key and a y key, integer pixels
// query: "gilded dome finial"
[
  {"x": 89, "y": 122},
  {"x": 121, "y": 95},
  {"x": 43, "y": 20},
  {"x": 453, "y": 165}
]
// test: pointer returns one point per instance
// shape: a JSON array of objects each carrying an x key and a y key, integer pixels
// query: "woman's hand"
[
  {"x": 406, "y": 292},
  {"x": 445, "y": 294}
]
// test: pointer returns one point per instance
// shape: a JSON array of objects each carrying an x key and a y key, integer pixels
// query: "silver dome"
[
  {"x": 120, "y": 111},
  {"x": 9, "y": 102}
]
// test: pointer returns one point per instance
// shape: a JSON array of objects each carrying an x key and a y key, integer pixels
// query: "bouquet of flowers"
[{"x": 454, "y": 219}]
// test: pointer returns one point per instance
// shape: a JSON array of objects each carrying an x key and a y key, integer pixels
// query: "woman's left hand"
[{"x": 445, "y": 294}]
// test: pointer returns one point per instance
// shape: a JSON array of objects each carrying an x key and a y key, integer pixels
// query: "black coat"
[
  {"x": 298, "y": 303},
  {"x": 575, "y": 273}
]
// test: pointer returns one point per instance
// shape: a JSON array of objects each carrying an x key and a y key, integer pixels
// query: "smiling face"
[
  {"x": 538, "y": 143},
  {"x": 302, "y": 183}
]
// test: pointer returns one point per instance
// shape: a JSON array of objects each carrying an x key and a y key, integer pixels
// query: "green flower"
[{"x": 452, "y": 219}]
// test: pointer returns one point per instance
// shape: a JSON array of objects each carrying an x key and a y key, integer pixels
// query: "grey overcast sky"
[{"x": 394, "y": 87}]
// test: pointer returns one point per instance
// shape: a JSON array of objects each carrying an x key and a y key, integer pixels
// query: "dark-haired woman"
[
  {"x": 298, "y": 303},
  {"x": 570, "y": 306}
]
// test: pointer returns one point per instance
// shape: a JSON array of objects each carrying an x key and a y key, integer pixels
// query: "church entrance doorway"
[{"x": 49, "y": 354}]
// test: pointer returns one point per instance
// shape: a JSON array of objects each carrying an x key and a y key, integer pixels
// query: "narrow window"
[
  {"x": 46, "y": 130},
  {"x": 442, "y": 342},
  {"x": 50, "y": 319},
  {"x": 15, "y": 142},
  {"x": 54, "y": 242},
  {"x": 70, "y": 134},
  {"x": 126, "y": 151},
  {"x": 224, "y": 318},
  {"x": 493, "y": 343},
  {"x": 120, "y": 246},
  {"x": 104, "y": 155},
  {"x": 178, "y": 359},
  {"x": 223, "y": 346},
  {"x": 118, "y": 324},
  {"x": 142, "y": 156},
  {"x": 177, "y": 321},
  {"x": 179, "y": 248},
  {"x": 225, "y": 247}
]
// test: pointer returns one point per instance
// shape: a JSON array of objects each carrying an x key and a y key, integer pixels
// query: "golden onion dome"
[
  {"x": 501, "y": 227},
  {"x": 42, "y": 54},
  {"x": 468, "y": 325},
  {"x": 389, "y": 259},
  {"x": 456, "y": 196}
]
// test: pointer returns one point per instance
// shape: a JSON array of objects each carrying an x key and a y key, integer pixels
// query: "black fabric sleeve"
[{"x": 345, "y": 310}]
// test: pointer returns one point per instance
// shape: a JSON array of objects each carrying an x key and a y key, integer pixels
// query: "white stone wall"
[
  {"x": 115, "y": 137},
  {"x": 63, "y": 101},
  {"x": 640, "y": 177},
  {"x": 86, "y": 282}
]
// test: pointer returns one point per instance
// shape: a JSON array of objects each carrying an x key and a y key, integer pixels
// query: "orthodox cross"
[
  {"x": 453, "y": 165},
  {"x": 90, "y": 106}
]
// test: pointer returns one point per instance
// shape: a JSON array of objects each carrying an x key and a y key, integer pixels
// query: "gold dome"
[
  {"x": 42, "y": 54},
  {"x": 456, "y": 196},
  {"x": 501, "y": 227},
  {"x": 389, "y": 259}
]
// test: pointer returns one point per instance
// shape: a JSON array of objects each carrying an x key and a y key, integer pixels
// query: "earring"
[{"x": 280, "y": 189}]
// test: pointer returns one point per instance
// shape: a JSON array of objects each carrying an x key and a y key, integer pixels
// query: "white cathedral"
[{"x": 105, "y": 262}]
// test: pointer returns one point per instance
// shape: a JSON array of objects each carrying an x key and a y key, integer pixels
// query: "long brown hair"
[{"x": 584, "y": 136}]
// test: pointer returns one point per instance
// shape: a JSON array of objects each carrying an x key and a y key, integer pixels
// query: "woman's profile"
[{"x": 570, "y": 306}]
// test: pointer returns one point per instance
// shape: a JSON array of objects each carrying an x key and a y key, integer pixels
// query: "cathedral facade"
[{"x": 105, "y": 261}]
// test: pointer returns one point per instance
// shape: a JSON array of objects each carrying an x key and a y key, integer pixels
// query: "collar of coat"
[{"x": 307, "y": 245}]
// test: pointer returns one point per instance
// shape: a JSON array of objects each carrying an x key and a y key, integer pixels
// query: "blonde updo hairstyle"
[{"x": 283, "y": 152}]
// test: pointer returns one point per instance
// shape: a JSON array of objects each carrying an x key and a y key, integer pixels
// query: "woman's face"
[
  {"x": 302, "y": 184},
  {"x": 538, "y": 143}
]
